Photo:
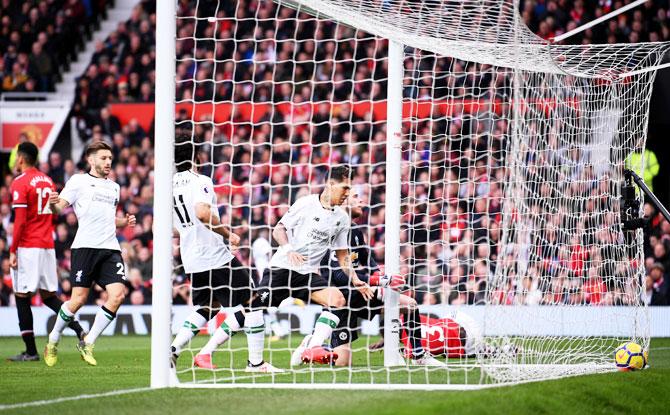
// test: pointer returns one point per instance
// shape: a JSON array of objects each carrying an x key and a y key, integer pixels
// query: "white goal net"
[{"x": 512, "y": 152}]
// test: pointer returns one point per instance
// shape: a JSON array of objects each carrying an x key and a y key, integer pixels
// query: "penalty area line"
[{"x": 71, "y": 398}]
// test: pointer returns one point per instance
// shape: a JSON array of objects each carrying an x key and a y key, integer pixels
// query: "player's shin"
[
  {"x": 323, "y": 328},
  {"x": 55, "y": 304},
  {"x": 254, "y": 327},
  {"x": 192, "y": 325},
  {"x": 277, "y": 330},
  {"x": 63, "y": 318},
  {"x": 26, "y": 324},
  {"x": 414, "y": 328},
  {"x": 228, "y": 328},
  {"x": 103, "y": 318}
]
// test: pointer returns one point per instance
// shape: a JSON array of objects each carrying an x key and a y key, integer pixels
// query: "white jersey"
[
  {"x": 201, "y": 249},
  {"x": 94, "y": 201},
  {"x": 312, "y": 231},
  {"x": 261, "y": 251}
]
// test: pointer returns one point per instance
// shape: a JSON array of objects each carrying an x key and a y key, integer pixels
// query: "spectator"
[
  {"x": 659, "y": 285},
  {"x": 41, "y": 67}
]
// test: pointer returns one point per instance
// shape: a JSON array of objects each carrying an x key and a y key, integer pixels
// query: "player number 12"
[{"x": 43, "y": 194}]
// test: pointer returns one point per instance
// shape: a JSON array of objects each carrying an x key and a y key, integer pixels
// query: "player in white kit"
[
  {"x": 313, "y": 225},
  {"x": 96, "y": 254},
  {"x": 218, "y": 278}
]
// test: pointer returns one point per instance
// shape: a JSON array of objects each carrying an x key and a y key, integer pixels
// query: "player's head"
[
  {"x": 99, "y": 157},
  {"x": 355, "y": 205},
  {"x": 26, "y": 155},
  {"x": 339, "y": 184},
  {"x": 183, "y": 153}
]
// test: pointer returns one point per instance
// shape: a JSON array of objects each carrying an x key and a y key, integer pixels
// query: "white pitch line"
[{"x": 71, "y": 398}]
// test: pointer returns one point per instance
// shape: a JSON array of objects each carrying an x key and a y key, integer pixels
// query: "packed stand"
[
  {"x": 453, "y": 245},
  {"x": 38, "y": 39}
]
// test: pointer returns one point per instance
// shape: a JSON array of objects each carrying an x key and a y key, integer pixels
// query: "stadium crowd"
[
  {"x": 454, "y": 228},
  {"x": 38, "y": 38}
]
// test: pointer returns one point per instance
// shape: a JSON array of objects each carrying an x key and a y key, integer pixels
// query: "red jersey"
[
  {"x": 33, "y": 224},
  {"x": 439, "y": 336}
]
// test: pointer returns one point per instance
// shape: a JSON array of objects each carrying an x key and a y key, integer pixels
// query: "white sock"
[
  {"x": 102, "y": 319},
  {"x": 277, "y": 329},
  {"x": 323, "y": 328},
  {"x": 63, "y": 318},
  {"x": 254, "y": 326},
  {"x": 228, "y": 328},
  {"x": 192, "y": 325}
]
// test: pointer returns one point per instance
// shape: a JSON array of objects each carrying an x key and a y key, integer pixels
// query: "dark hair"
[
  {"x": 183, "y": 152},
  {"x": 97, "y": 146},
  {"x": 28, "y": 151},
  {"x": 339, "y": 173}
]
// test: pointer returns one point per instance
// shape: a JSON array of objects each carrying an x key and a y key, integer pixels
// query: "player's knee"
[
  {"x": 117, "y": 298},
  {"x": 338, "y": 301},
  {"x": 343, "y": 356}
]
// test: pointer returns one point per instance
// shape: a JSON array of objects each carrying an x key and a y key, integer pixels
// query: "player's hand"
[
  {"x": 234, "y": 241},
  {"x": 131, "y": 220},
  {"x": 53, "y": 198},
  {"x": 392, "y": 281},
  {"x": 13, "y": 262},
  {"x": 295, "y": 259},
  {"x": 363, "y": 288}
]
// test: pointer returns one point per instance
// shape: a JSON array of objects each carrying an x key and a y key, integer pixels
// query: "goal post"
[
  {"x": 164, "y": 134},
  {"x": 394, "y": 101},
  {"x": 489, "y": 164}
]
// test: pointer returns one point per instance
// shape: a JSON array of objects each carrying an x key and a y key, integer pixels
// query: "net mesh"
[{"x": 513, "y": 152}]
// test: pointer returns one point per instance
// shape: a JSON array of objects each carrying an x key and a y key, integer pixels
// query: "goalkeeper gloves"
[{"x": 381, "y": 280}]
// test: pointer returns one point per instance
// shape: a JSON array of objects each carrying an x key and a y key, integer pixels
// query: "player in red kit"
[{"x": 31, "y": 255}]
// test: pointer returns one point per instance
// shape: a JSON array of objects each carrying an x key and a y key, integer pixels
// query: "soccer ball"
[{"x": 630, "y": 356}]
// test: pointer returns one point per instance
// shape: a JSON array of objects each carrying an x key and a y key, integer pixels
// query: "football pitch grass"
[{"x": 123, "y": 364}]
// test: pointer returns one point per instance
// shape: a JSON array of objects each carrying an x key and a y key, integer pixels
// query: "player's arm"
[
  {"x": 344, "y": 259},
  {"x": 291, "y": 219},
  {"x": 57, "y": 203},
  {"x": 204, "y": 213},
  {"x": 20, "y": 205},
  {"x": 280, "y": 235}
]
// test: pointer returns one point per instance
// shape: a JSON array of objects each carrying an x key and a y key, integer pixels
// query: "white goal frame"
[{"x": 161, "y": 316}]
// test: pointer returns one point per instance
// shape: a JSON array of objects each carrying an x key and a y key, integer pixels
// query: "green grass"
[{"x": 123, "y": 363}]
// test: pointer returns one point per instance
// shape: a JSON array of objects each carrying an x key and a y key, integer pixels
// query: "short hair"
[
  {"x": 28, "y": 151},
  {"x": 97, "y": 146},
  {"x": 183, "y": 152},
  {"x": 339, "y": 173}
]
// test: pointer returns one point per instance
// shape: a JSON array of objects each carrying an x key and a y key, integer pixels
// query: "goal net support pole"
[
  {"x": 393, "y": 198},
  {"x": 164, "y": 158}
]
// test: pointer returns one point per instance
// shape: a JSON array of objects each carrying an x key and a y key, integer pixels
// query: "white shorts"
[{"x": 37, "y": 270}]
